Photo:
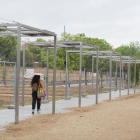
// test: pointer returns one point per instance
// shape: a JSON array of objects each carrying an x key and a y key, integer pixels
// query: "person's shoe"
[
  {"x": 38, "y": 110},
  {"x": 33, "y": 111}
]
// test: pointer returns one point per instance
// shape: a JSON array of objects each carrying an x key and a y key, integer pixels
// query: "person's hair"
[{"x": 35, "y": 79}]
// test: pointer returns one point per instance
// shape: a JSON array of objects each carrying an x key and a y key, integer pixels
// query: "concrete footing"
[
  {"x": 11, "y": 107},
  {"x": 84, "y": 95},
  {"x": 68, "y": 98},
  {"x": 44, "y": 101}
]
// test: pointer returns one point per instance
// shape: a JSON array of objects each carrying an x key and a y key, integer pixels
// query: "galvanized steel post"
[
  {"x": 116, "y": 74},
  {"x": 128, "y": 75},
  {"x": 97, "y": 58},
  {"x": 66, "y": 75},
  {"x": 101, "y": 78},
  {"x": 47, "y": 66},
  {"x": 17, "y": 74},
  {"x": 14, "y": 84},
  {"x": 135, "y": 78},
  {"x": 80, "y": 72},
  {"x": 85, "y": 79},
  {"x": 23, "y": 73},
  {"x": 106, "y": 81},
  {"x": 54, "y": 75},
  {"x": 110, "y": 76},
  {"x": 92, "y": 72},
  {"x": 45, "y": 81},
  {"x": 120, "y": 76}
]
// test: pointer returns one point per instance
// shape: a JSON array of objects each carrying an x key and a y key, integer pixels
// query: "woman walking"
[{"x": 35, "y": 84}]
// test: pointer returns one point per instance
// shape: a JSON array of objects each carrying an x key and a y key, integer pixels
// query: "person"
[{"x": 35, "y": 83}]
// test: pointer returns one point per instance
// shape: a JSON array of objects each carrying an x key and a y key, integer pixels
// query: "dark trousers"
[{"x": 34, "y": 98}]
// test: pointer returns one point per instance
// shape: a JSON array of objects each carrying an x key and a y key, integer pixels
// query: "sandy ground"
[{"x": 110, "y": 120}]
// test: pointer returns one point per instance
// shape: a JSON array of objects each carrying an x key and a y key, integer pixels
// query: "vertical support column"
[
  {"x": 46, "y": 98},
  {"x": 14, "y": 84},
  {"x": 46, "y": 78},
  {"x": 135, "y": 78},
  {"x": 4, "y": 74},
  {"x": 96, "y": 101},
  {"x": 60, "y": 78},
  {"x": 92, "y": 72},
  {"x": 80, "y": 74},
  {"x": 45, "y": 82},
  {"x": 107, "y": 81},
  {"x": 115, "y": 81},
  {"x": 85, "y": 79},
  {"x": 110, "y": 76},
  {"x": 116, "y": 75},
  {"x": 66, "y": 76},
  {"x": 128, "y": 75},
  {"x": 17, "y": 74},
  {"x": 23, "y": 73},
  {"x": 68, "y": 97},
  {"x": 54, "y": 75},
  {"x": 67, "y": 79},
  {"x": 120, "y": 76},
  {"x": 101, "y": 78},
  {"x": 139, "y": 80}
]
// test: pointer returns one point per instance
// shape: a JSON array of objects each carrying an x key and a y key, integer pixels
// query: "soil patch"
[{"x": 110, "y": 120}]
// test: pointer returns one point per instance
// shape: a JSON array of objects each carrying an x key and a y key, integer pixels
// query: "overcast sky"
[{"x": 116, "y": 21}]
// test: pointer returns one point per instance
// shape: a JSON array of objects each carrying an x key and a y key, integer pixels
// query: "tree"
[
  {"x": 133, "y": 50},
  {"x": 6, "y": 46}
]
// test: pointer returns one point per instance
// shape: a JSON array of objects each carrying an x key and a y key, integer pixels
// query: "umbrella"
[{"x": 31, "y": 75}]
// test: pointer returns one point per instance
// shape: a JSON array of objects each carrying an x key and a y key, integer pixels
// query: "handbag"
[{"x": 41, "y": 93}]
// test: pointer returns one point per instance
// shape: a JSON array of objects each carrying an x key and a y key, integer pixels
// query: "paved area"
[{"x": 7, "y": 116}]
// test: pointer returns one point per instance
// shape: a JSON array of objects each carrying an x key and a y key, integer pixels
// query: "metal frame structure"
[
  {"x": 20, "y": 30},
  {"x": 64, "y": 44},
  {"x": 97, "y": 54},
  {"x": 127, "y": 59},
  {"x": 81, "y": 45}
]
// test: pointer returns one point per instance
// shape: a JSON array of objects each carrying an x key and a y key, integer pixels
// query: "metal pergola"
[
  {"x": 99, "y": 54},
  {"x": 125, "y": 59},
  {"x": 20, "y": 30},
  {"x": 66, "y": 44}
]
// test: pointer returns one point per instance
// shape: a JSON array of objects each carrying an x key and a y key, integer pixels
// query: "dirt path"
[{"x": 111, "y": 120}]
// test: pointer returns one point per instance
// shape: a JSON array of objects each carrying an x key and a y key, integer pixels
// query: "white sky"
[{"x": 116, "y": 21}]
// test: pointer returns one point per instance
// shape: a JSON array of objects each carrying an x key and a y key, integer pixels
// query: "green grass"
[{"x": 132, "y": 96}]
